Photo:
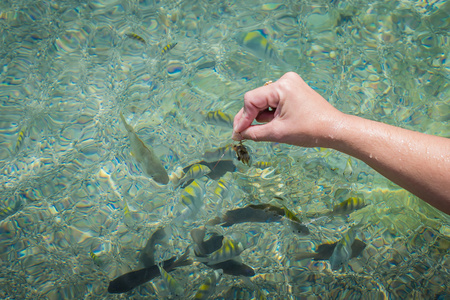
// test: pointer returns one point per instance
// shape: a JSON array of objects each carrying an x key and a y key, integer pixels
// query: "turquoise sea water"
[{"x": 70, "y": 187}]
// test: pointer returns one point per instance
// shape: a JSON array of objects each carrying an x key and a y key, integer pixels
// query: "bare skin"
[{"x": 293, "y": 113}]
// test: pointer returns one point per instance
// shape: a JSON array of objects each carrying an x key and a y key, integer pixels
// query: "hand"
[{"x": 292, "y": 111}]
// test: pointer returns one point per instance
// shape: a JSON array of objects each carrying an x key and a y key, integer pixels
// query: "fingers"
[{"x": 256, "y": 103}]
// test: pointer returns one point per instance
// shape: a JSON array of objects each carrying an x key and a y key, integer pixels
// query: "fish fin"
[
  {"x": 183, "y": 260},
  {"x": 216, "y": 221}
]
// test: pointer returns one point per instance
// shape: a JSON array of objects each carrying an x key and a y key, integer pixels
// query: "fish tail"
[
  {"x": 127, "y": 126},
  {"x": 183, "y": 260}
]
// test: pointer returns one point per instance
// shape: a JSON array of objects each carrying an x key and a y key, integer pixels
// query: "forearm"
[{"x": 417, "y": 162}]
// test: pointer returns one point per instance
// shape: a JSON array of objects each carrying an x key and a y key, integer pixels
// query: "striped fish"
[
  {"x": 191, "y": 200},
  {"x": 168, "y": 47},
  {"x": 173, "y": 286},
  {"x": 136, "y": 37},
  {"x": 262, "y": 164},
  {"x": 343, "y": 250},
  {"x": 144, "y": 155},
  {"x": 222, "y": 188},
  {"x": 97, "y": 260},
  {"x": 220, "y": 118},
  {"x": 20, "y": 139},
  {"x": 194, "y": 172},
  {"x": 348, "y": 206},
  {"x": 208, "y": 287},
  {"x": 230, "y": 249}
]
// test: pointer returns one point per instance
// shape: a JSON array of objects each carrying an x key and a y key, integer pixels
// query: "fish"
[
  {"x": 144, "y": 155},
  {"x": 242, "y": 153},
  {"x": 257, "y": 42},
  {"x": 295, "y": 223},
  {"x": 195, "y": 171},
  {"x": 209, "y": 286},
  {"x": 220, "y": 118},
  {"x": 348, "y": 206},
  {"x": 230, "y": 249},
  {"x": 146, "y": 257},
  {"x": 191, "y": 200},
  {"x": 20, "y": 139},
  {"x": 262, "y": 164},
  {"x": 219, "y": 168},
  {"x": 168, "y": 47},
  {"x": 172, "y": 285},
  {"x": 263, "y": 213},
  {"x": 222, "y": 189},
  {"x": 95, "y": 258},
  {"x": 348, "y": 171},
  {"x": 324, "y": 251},
  {"x": 222, "y": 153},
  {"x": 136, "y": 37},
  {"x": 343, "y": 250},
  {"x": 214, "y": 243},
  {"x": 130, "y": 280},
  {"x": 202, "y": 247}
]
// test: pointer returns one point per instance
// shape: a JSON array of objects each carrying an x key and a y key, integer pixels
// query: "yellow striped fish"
[
  {"x": 168, "y": 47},
  {"x": 220, "y": 118},
  {"x": 144, "y": 155},
  {"x": 348, "y": 206},
  {"x": 343, "y": 250},
  {"x": 20, "y": 139},
  {"x": 136, "y": 37},
  {"x": 191, "y": 201},
  {"x": 262, "y": 164},
  {"x": 230, "y": 249},
  {"x": 95, "y": 258},
  {"x": 221, "y": 189},
  {"x": 208, "y": 287},
  {"x": 194, "y": 172},
  {"x": 174, "y": 287}
]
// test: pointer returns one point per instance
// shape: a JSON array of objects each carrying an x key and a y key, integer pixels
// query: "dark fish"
[
  {"x": 253, "y": 213},
  {"x": 214, "y": 243},
  {"x": 325, "y": 251},
  {"x": 130, "y": 280},
  {"x": 234, "y": 268},
  {"x": 146, "y": 257},
  {"x": 219, "y": 168}
]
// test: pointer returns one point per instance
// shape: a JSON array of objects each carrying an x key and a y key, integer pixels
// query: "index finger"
[{"x": 255, "y": 101}]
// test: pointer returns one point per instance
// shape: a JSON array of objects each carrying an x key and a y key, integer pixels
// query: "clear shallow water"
[{"x": 68, "y": 69}]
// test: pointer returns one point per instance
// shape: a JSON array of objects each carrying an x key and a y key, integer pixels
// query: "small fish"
[
  {"x": 209, "y": 285},
  {"x": 172, "y": 285},
  {"x": 325, "y": 251},
  {"x": 242, "y": 153},
  {"x": 348, "y": 171},
  {"x": 168, "y": 47},
  {"x": 203, "y": 248},
  {"x": 256, "y": 41},
  {"x": 230, "y": 249},
  {"x": 146, "y": 257},
  {"x": 262, "y": 164},
  {"x": 222, "y": 153},
  {"x": 20, "y": 139},
  {"x": 136, "y": 37},
  {"x": 144, "y": 155},
  {"x": 348, "y": 206},
  {"x": 264, "y": 213},
  {"x": 95, "y": 258},
  {"x": 220, "y": 118},
  {"x": 343, "y": 250},
  {"x": 130, "y": 280},
  {"x": 195, "y": 171},
  {"x": 295, "y": 223}
]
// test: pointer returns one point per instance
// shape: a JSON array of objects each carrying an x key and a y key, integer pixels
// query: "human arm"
[{"x": 299, "y": 116}]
